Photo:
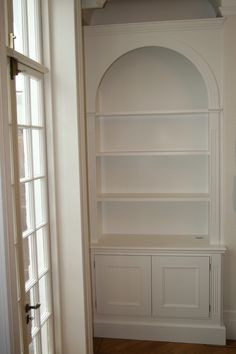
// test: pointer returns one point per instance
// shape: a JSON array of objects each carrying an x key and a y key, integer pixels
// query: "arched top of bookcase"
[{"x": 200, "y": 68}]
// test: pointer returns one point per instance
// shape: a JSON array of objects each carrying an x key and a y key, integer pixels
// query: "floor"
[{"x": 115, "y": 346}]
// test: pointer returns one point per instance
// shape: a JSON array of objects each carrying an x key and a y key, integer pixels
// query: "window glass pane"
[
  {"x": 18, "y": 25},
  {"x": 32, "y": 29},
  {"x": 43, "y": 298},
  {"x": 36, "y": 102},
  {"x": 28, "y": 253},
  {"x": 21, "y": 99},
  {"x": 37, "y": 142},
  {"x": 27, "y": 27},
  {"x": 40, "y": 208},
  {"x": 34, "y": 346},
  {"x": 26, "y": 202},
  {"x": 24, "y": 152},
  {"x": 45, "y": 337},
  {"x": 41, "y": 237}
]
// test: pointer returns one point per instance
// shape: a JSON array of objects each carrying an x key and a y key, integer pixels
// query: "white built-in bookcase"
[
  {"x": 153, "y": 121},
  {"x": 153, "y": 152}
]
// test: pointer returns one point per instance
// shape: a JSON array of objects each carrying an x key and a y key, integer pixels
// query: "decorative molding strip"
[{"x": 180, "y": 25}]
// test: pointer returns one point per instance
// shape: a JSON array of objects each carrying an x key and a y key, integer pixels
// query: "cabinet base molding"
[{"x": 161, "y": 332}]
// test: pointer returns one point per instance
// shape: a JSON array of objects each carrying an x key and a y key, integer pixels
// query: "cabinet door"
[
  {"x": 123, "y": 285},
  {"x": 180, "y": 286}
]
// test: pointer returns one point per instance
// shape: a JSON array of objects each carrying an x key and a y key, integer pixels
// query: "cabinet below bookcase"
[{"x": 158, "y": 293}]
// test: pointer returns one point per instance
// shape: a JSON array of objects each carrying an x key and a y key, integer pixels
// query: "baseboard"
[
  {"x": 230, "y": 324},
  {"x": 161, "y": 332}
]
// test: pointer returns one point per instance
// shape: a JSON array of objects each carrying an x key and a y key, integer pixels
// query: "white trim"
[
  {"x": 143, "y": 27},
  {"x": 54, "y": 247},
  {"x": 9, "y": 335},
  {"x": 230, "y": 323},
  {"x": 186, "y": 333},
  {"x": 80, "y": 85},
  {"x": 22, "y": 59},
  {"x": 147, "y": 40}
]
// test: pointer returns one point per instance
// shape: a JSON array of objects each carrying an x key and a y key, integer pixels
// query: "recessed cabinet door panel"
[
  {"x": 180, "y": 287},
  {"x": 123, "y": 285}
]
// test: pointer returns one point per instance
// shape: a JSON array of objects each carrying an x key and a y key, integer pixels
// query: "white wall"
[
  {"x": 229, "y": 174},
  {"x": 68, "y": 182},
  {"x": 125, "y": 11}
]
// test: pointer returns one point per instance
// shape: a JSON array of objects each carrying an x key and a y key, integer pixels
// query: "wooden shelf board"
[
  {"x": 153, "y": 153},
  {"x": 151, "y": 113},
  {"x": 126, "y": 197},
  {"x": 155, "y": 242}
]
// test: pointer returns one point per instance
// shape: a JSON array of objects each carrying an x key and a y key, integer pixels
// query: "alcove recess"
[{"x": 153, "y": 161}]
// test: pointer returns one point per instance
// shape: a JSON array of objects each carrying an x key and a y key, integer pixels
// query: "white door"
[
  {"x": 180, "y": 286},
  {"x": 30, "y": 200}
]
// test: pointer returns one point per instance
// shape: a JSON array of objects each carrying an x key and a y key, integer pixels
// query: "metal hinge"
[
  {"x": 14, "y": 71},
  {"x": 94, "y": 265},
  {"x": 209, "y": 308},
  {"x": 95, "y": 304}
]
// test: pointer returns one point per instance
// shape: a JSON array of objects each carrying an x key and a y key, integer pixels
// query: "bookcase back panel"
[
  {"x": 179, "y": 218},
  {"x": 153, "y": 174},
  {"x": 152, "y": 133},
  {"x": 152, "y": 78}
]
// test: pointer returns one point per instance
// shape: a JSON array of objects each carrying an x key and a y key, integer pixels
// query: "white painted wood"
[
  {"x": 154, "y": 174},
  {"x": 160, "y": 34},
  {"x": 142, "y": 197},
  {"x": 157, "y": 170},
  {"x": 93, "y": 179},
  {"x": 156, "y": 244},
  {"x": 123, "y": 285},
  {"x": 180, "y": 287},
  {"x": 186, "y": 333},
  {"x": 135, "y": 114},
  {"x": 71, "y": 233},
  {"x": 153, "y": 153},
  {"x": 214, "y": 177},
  {"x": 202, "y": 326},
  {"x": 155, "y": 218},
  {"x": 153, "y": 133}
]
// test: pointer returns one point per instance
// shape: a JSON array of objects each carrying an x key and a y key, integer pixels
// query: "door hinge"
[
  {"x": 95, "y": 304},
  {"x": 14, "y": 71},
  {"x": 209, "y": 308},
  {"x": 94, "y": 265}
]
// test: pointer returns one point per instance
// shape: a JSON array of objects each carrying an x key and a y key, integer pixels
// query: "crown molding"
[{"x": 142, "y": 27}]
